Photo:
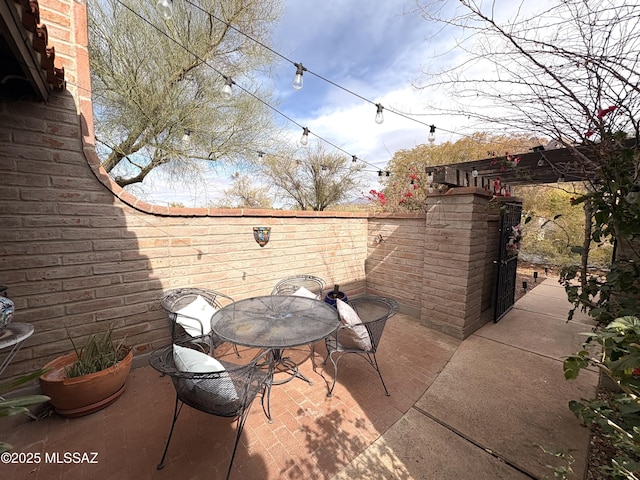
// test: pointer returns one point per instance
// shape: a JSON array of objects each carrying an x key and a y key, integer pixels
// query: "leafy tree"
[
  {"x": 571, "y": 73},
  {"x": 312, "y": 178},
  {"x": 157, "y": 84},
  {"x": 408, "y": 185}
]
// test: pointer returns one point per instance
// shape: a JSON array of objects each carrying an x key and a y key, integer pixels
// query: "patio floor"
[
  {"x": 312, "y": 436},
  {"x": 481, "y": 408}
]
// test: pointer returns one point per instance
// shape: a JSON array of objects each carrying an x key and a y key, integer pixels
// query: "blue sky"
[
  {"x": 371, "y": 47},
  {"x": 375, "y": 48}
]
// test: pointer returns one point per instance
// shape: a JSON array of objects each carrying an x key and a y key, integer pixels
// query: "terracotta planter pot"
[{"x": 75, "y": 397}]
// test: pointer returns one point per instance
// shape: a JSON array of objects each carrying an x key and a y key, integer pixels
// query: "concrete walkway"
[{"x": 498, "y": 402}]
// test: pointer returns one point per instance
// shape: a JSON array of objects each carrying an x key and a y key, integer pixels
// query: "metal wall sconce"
[{"x": 261, "y": 235}]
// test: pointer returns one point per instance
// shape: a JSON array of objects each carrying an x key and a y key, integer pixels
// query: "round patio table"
[{"x": 276, "y": 322}]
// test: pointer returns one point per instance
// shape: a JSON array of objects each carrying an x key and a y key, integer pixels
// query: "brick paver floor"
[{"x": 312, "y": 436}]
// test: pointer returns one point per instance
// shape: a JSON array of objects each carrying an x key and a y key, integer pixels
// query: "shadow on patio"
[
  {"x": 312, "y": 436},
  {"x": 478, "y": 409}
]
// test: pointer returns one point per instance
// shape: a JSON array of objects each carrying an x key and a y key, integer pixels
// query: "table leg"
[{"x": 286, "y": 365}]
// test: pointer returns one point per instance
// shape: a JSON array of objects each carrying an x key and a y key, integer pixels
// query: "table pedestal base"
[{"x": 286, "y": 365}]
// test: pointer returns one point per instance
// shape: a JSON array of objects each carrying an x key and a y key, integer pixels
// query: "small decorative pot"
[
  {"x": 331, "y": 297},
  {"x": 6, "y": 312}
]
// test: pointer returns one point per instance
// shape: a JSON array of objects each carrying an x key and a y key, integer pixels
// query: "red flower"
[
  {"x": 605, "y": 111},
  {"x": 415, "y": 186},
  {"x": 413, "y": 176}
]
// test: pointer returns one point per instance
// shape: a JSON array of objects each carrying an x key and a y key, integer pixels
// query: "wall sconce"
[
  {"x": 261, "y": 235},
  {"x": 379, "y": 239}
]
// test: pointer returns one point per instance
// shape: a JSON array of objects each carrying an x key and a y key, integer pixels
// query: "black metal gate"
[{"x": 507, "y": 264}]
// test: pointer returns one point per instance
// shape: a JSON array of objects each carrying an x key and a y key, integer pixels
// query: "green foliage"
[
  {"x": 618, "y": 416},
  {"x": 99, "y": 353},
  {"x": 407, "y": 187},
  {"x": 13, "y": 406}
]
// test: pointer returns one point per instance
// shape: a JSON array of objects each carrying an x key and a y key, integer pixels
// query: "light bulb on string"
[
  {"x": 297, "y": 80},
  {"x": 260, "y": 154},
  {"x": 226, "y": 91},
  {"x": 379, "y": 114},
  {"x": 165, "y": 8},
  {"x": 541, "y": 162},
  {"x": 304, "y": 140},
  {"x": 474, "y": 172},
  {"x": 354, "y": 159},
  {"x": 379, "y": 173},
  {"x": 186, "y": 138},
  {"x": 561, "y": 178},
  {"x": 432, "y": 134}
]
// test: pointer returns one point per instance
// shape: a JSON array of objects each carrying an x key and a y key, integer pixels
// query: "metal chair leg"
[{"x": 176, "y": 412}]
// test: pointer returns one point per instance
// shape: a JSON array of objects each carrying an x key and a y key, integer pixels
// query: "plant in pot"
[{"x": 89, "y": 378}]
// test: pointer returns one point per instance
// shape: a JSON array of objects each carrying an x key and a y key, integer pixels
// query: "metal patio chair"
[
  {"x": 224, "y": 393},
  {"x": 360, "y": 334},
  {"x": 303, "y": 285},
  {"x": 194, "y": 325},
  {"x": 291, "y": 285}
]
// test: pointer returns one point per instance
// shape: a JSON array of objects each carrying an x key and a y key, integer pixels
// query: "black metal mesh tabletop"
[{"x": 275, "y": 321}]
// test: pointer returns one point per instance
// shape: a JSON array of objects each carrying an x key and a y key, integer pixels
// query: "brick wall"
[{"x": 79, "y": 252}]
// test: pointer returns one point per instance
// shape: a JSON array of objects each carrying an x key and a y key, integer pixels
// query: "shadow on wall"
[{"x": 69, "y": 259}]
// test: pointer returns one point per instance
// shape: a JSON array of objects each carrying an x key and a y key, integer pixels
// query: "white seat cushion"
[
  {"x": 195, "y": 318},
  {"x": 303, "y": 292},
  {"x": 354, "y": 336},
  {"x": 193, "y": 361}
]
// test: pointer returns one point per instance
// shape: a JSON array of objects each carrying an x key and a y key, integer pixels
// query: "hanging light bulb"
[
  {"x": 379, "y": 173},
  {"x": 305, "y": 136},
  {"x": 165, "y": 8},
  {"x": 297, "y": 80},
  {"x": 541, "y": 161},
  {"x": 561, "y": 178},
  {"x": 260, "y": 154},
  {"x": 354, "y": 159},
  {"x": 432, "y": 134},
  {"x": 226, "y": 91},
  {"x": 474, "y": 172},
  {"x": 186, "y": 138},
  {"x": 379, "y": 114}
]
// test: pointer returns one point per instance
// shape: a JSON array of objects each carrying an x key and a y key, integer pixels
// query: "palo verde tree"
[
  {"x": 570, "y": 72},
  {"x": 157, "y": 84},
  {"x": 312, "y": 178}
]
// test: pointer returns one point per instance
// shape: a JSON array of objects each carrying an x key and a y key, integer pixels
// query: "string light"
[
  {"x": 561, "y": 178},
  {"x": 165, "y": 8},
  {"x": 354, "y": 159},
  {"x": 226, "y": 89},
  {"x": 432, "y": 134},
  {"x": 474, "y": 172},
  {"x": 379, "y": 114},
  {"x": 186, "y": 138},
  {"x": 260, "y": 154},
  {"x": 297, "y": 80},
  {"x": 305, "y": 136}
]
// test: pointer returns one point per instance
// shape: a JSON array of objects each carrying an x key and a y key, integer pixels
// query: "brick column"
[{"x": 458, "y": 262}]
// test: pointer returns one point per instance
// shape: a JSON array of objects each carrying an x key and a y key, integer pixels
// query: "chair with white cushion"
[
  {"x": 304, "y": 285},
  {"x": 308, "y": 286},
  {"x": 214, "y": 386},
  {"x": 190, "y": 311},
  {"x": 362, "y": 322}
]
